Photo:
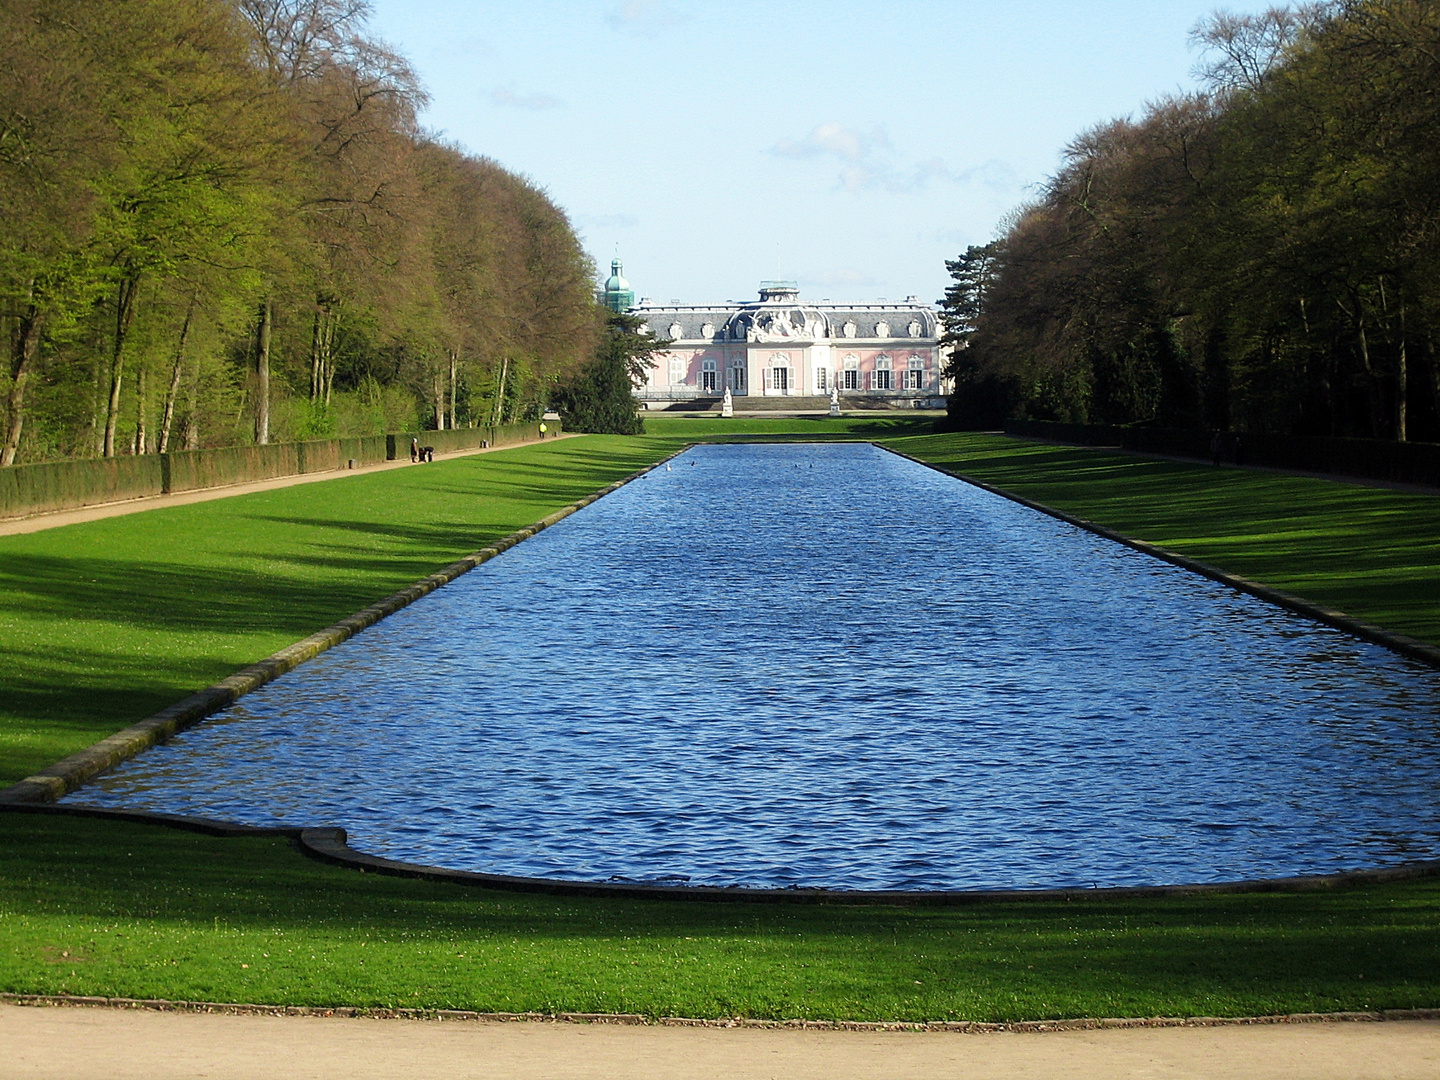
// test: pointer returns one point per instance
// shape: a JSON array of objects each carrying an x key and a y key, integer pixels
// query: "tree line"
[
  {"x": 220, "y": 222},
  {"x": 1261, "y": 255}
]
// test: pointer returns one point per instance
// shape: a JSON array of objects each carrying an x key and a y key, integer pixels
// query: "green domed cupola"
[{"x": 618, "y": 296}]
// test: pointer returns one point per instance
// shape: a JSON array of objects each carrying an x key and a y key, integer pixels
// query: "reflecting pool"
[{"x": 826, "y": 665}]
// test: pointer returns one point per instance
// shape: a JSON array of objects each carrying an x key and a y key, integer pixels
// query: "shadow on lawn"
[{"x": 1257, "y": 952}]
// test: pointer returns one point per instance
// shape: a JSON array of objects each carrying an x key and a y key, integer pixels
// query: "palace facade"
[{"x": 779, "y": 346}]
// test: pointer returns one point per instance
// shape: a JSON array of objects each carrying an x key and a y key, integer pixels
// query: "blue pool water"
[{"x": 826, "y": 665}]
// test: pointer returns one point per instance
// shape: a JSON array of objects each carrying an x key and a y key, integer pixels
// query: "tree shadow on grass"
[{"x": 1255, "y": 953}]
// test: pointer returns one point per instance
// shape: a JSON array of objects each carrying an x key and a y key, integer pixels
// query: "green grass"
[
  {"x": 106, "y": 908},
  {"x": 1370, "y": 552},
  {"x": 103, "y": 623}
]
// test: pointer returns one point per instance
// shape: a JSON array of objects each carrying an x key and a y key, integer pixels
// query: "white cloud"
[
  {"x": 868, "y": 161},
  {"x": 644, "y": 17},
  {"x": 507, "y": 98}
]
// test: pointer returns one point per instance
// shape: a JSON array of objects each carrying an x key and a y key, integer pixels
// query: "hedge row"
[
  {"x": 65, "y": 485},
  {"x": 1373, "y": 459}
]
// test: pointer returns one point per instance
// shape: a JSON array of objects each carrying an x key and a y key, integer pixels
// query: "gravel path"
[{"x": 117, "y": 1044}]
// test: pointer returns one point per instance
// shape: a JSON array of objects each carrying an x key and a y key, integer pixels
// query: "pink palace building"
[{"x": 777, "y": 346}]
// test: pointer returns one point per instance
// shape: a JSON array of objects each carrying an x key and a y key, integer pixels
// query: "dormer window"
[
  {"x": 850, "y": 329},
  {"x": 676, "y": 331},
  {"x": 882, "y": 330},
  {"x": 915, "y": 329},
  {"x": 707, "y": 331}
]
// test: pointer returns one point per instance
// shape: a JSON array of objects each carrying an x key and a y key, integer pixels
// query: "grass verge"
[
  {"x": 1370, "y": 552},
  {"x": 106, "y": 908},
  {"x": 104, "y": 623}
]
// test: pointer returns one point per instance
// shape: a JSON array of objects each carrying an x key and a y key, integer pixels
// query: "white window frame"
[
  {"x": 678, "y": 370},
  {"x": 915, "y": 374},
  {"x": 850, "y": 373},
  {"x": 884, "y": 377},
  {"x": 709, "y": 376}
]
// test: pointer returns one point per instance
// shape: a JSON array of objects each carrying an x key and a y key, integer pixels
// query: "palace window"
[
  {"x": 915, "y": 376},
  {"x": 850, "y": 375},
  {"x": 709, "y": 378},
  {"x": 676, "y": 331},
  {"x": 915, "y": 329},
  {"x": 850, "y": 329},
  {"x": 883, "y": 373},
  {"x": 677, "y": 370},
  {"x": 882, "y": 329},
  {"x": 708, "y": 331},
  {"x": 737, "y": 374},
  {"x": 820, "y": 386}
]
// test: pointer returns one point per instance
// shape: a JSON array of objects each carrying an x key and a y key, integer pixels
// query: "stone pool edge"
[
  {"x": 329, "y": 844},
  {"x": 64, "y": 776},
  {"x": 1410, "y": 648}
]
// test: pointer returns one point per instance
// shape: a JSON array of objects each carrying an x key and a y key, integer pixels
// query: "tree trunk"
[
  {"x": 169, "y": 415},
  {"x": 1402, "y": 385},
  {"x": 124, "y": 311},
  {"x": 23, "y": 344},
  {"x": 437, "y": 389},
  {"x": 140, "y": 380},
  {"x": 453, "y": 364},
  {"x": 262, "y": 376},
  {"x": 498, "y": 413}
]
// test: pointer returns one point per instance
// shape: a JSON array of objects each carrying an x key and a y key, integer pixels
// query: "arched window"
[
  {"x": 850, "y": 373},
  {"x": 737, "y": 374},
  {"x": 883, "y": 373},
  {"x": 709, "y": 378},
  {"x": 915, "y": 376},
  {"x": 779, "y": 373}
]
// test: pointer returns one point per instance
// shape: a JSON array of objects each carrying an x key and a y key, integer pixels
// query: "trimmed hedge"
[
  {"x": 1373, "y": 459},
  {"x": 66, "y": 485}
]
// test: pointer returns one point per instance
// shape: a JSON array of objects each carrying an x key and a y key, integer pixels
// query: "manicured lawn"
[
  {"x": 104, "y": 908},
  {"x": 1370, "y": 552},
  {"x": 102, "y": 624}
]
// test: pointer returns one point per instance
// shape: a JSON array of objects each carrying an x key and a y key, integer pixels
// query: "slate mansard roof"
[{"x": 781, "y": 318}]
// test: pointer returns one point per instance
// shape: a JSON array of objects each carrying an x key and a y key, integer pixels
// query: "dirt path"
[
  {"x": 40, "y": 522},
  {"x": 112, "y": 1044}
]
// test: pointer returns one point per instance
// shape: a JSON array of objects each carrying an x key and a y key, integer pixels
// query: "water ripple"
[{"x": 855, "y": 674}]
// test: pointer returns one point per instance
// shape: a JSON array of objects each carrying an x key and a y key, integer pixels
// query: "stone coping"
[
  {"x": 36, "y": 794},
  {"x": 1411, "y": 648},
  {"x": 69, "y": 773},
  {"x": 962, "y": 1027},
  {"x": 331, "y": 844}
]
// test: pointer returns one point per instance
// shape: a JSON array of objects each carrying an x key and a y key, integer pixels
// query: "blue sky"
[{"x": 852, "y": 146}]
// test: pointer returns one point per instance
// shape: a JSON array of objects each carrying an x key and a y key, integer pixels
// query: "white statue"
[
  {"x": 727, "y": 406},
  {"x": 834, "y": 401}
]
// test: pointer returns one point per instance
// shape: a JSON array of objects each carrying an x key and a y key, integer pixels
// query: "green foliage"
[
  {"x": 598, "y": 397},
  {"x": 168, "y": 166},
  {"x": 1261, "y": 256}
]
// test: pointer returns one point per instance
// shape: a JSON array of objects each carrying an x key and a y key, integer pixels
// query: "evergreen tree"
[{"x": 598, "y": 398}]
